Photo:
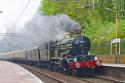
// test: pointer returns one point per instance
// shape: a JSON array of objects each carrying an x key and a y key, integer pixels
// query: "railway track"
[
  {"x": 68, "y": 79},
  {"x": 100, "y": 79},
  {"x": 64, "y": 78},
  {"x": 44, "y": 74},
  {"x": 109, "y": 79},
  {"x": 86, "y": 80}
]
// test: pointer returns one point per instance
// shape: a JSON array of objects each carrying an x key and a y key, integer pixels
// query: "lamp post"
[
  {"x": 116, "y": 27},
  {"x": 116, "y": 33}
]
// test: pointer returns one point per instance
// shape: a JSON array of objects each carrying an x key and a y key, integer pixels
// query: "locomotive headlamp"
[
  {"x": 77, "y": 65},
  {"x": 75, "y": 59},
  {"x": 96, "y": 58},
  {"x": 98, "y": 63}
]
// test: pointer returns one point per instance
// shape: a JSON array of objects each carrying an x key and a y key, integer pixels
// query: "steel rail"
[
  {"x": 101, "y": 78},
  {"x": 109, "y": 79},
  {"x": 44, "y": 74},
  {"x": 84, "y": 80}
]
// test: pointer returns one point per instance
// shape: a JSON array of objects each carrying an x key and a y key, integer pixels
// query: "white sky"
[{"x": 13, "y": 8}]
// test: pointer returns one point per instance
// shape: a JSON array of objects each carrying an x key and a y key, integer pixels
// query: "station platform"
[
  {"x": 114, "y": 65},
  {"x": 13, "y": 73}
]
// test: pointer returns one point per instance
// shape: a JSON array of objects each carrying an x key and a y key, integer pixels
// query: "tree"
[{"x": 99, "y": 18}]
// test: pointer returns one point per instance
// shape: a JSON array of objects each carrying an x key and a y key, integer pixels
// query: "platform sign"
[
  {"x": 116, "y": 40},
  {"x": 117, "y": 50}
]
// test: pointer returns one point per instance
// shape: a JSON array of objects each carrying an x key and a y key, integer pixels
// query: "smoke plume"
[{"x": 38, "y": 30}]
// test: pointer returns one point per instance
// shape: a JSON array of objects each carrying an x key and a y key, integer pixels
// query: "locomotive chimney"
[{"x": 77, "y": 31}]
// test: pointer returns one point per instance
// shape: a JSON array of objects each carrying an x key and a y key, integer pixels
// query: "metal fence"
[{"x": 105, "y": 48}]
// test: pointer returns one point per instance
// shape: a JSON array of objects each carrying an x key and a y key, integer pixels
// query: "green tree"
[{"x": 97, "y": 23}]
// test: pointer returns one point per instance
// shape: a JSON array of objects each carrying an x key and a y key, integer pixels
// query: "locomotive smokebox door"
[{"x": 81, "y": 45}]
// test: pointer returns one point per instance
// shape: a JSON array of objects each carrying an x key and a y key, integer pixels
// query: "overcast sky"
[{"x": 13, "y": 8}]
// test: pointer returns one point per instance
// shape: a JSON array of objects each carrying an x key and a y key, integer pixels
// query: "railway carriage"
[{"x": 32, "y": 56}]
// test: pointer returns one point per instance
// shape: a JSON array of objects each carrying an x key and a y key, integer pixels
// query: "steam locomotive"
[{"x": 68, "y": 55}]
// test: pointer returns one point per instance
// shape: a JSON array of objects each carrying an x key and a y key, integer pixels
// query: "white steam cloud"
[{"x": 38, "y": 30}]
